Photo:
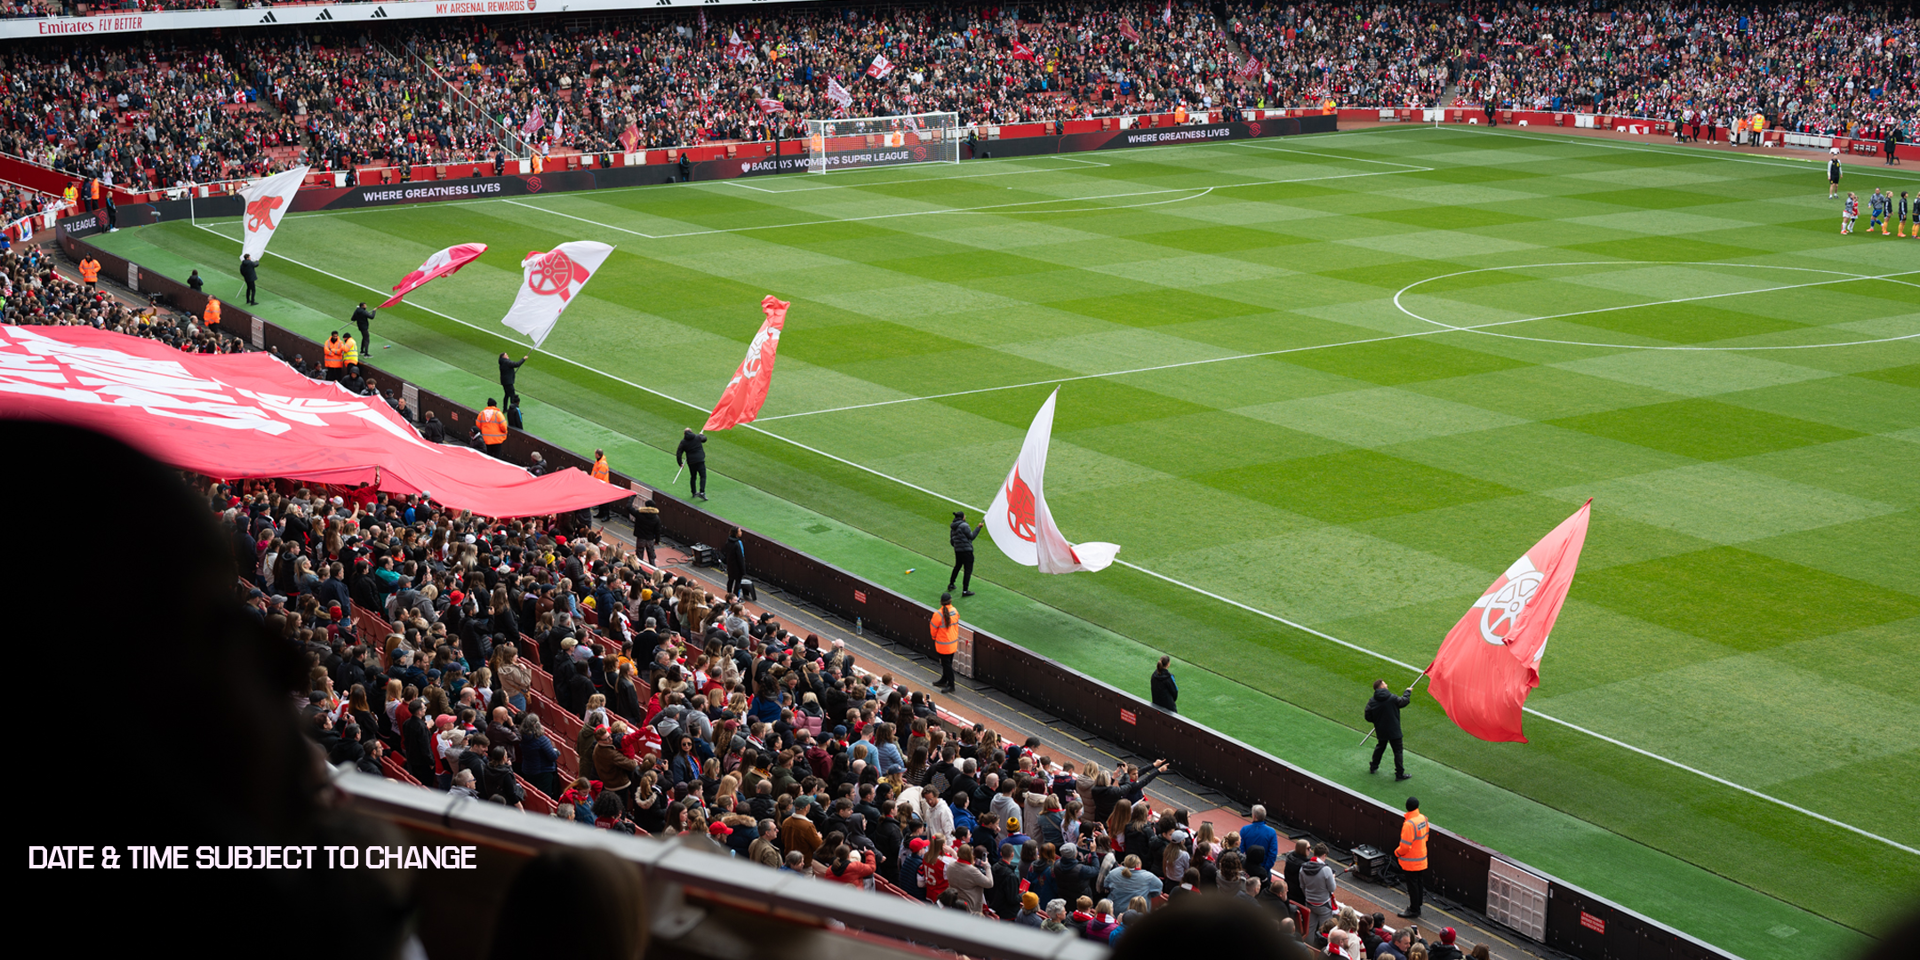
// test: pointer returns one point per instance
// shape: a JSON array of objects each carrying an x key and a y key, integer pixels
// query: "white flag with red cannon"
[
  {"x": 549, "y": 282},
  {"x": 1019, "y": 521}
]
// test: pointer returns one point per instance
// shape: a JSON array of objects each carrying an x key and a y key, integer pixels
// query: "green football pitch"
[{"x": 1322, "y": 391}]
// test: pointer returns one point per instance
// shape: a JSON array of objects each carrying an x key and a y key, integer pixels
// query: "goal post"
[{"x": 883, "y": 141}]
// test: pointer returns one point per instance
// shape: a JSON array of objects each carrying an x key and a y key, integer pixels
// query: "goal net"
[{"x": 882, "y": 141}]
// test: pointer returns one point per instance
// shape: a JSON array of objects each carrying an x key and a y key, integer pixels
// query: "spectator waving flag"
[
  {"x": 1490, "y": 660},
  {"x": 838, "y": 94},
  {"x": 703, "y": 22},
  {"x": 1166, "y": 16},
  {"x": 630, "y": 138},
  {"x": 549, "y": 281},
  {"x": 1021, "y": 51},
  {"x": 880, "y": 66},
  {"x": 1250, "y": 69},
  {"x": 1019, "y": 521},
  {"x": 443, "y": 263},
  {"x": 268, "y": 201},
  {"x": 747, "y": 391},
  {"x": 737, "y": 48},
  {"x": 770, "y": 106},
  {"x": 1127, "y": 30},
  {"x": 535, "y": 121}
]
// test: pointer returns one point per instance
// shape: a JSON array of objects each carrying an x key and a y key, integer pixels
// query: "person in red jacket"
[{"x": 848, "y": 868}]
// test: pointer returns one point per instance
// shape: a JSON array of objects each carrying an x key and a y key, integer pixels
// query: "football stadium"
[{"x": 1448, "y": 473}]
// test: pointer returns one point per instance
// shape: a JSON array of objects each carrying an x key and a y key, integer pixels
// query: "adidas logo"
[
  {"x": 326, "y": 14},
  {"x": 379, "y": 12},
  {"x": 269, "y": 18}
]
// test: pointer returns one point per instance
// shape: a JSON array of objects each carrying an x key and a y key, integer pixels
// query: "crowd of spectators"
[
  {"x": 695, "y": 717},
  {"x": 157, "y": 110},
  {"x": 1826, "y": 68},
  {"x": 678, "y": 82},
  {"x": 687, "y": 715},
  {"x": 360, "y": 102}
]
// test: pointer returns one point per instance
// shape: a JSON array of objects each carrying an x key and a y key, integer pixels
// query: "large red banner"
[{"x": 249, "y": 415}]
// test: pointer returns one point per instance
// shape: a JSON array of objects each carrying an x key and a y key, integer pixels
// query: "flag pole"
[{"x": 676, "y": 475}]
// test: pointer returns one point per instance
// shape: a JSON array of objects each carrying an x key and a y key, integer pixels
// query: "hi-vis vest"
[
  {"x": 349, "y": 351},
  {"x": 493, "y": 426},
  {"x": 600, "y": 470},
  {"x": 946, "y": 630},
  {"x": 333, "y": 353},
  {"x": 212, "y": 316},
  {"x": 1412, "y": 851},
  {"x": 89, "y": 270}
]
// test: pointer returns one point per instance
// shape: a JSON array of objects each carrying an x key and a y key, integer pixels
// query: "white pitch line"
[
  {"x": 1480, "y": 328},
  {"x": 742, "y": 181},
  {"x": 1257, "y": 145},
  {"x": 1784, "y": 163},
  {"x": 1437, "y": 328},
  {"x": 1205, "y": 593}
]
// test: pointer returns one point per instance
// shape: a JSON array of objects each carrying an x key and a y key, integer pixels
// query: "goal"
[{"x": 882, "y": 141}]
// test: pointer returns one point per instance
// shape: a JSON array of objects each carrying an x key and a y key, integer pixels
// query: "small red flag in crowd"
[
  {"x": 1021, "y": 51},
  {"x": 838, "y": 94},
  {"x": 768, "y": 105},
  {"x": 1127, "y": 30},
  {"x": 880, "y": 66},
  {"x": 1490, "y": 660}
]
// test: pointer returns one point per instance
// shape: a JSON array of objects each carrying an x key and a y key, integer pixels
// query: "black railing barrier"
[{"x": 1458, "y": 867}]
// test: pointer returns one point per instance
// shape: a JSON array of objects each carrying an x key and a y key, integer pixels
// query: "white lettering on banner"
[
  {"x": 1178, "y": 136},
  {"x": 444, "y": 192},
  {"x": 833, "y": 160},
  {"x": 32, "y": 365}
]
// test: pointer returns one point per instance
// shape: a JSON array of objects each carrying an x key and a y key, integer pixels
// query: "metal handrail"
[{"x": 510, "y": 136}]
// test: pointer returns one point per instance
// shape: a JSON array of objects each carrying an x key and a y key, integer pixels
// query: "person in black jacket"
[
  {"x": 433, "y": 431},
  {"x": 250, "y": 272},
  {"x": 734, "y": 555},
  {"x": 509, "y": 369},
  {"x": 693, "y": 453},
  {"x": 1165, "y": 692},
  {"x": 1004, "y": 896},
  {"x": 961, "y": 536},
  {"x": 414, "y": 740},
  {"x": 361, "y": 318},
  {"x": 1384, "y": 712},
  {"x": 497, "y": 778},
  {"x": 1072, "y": 879},
  {"x": 575, "y": 690},
  {"x": 646, "y": 531}
]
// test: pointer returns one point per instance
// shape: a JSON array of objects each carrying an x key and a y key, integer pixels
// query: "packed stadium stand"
[{"x": 168, "y": 109}]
